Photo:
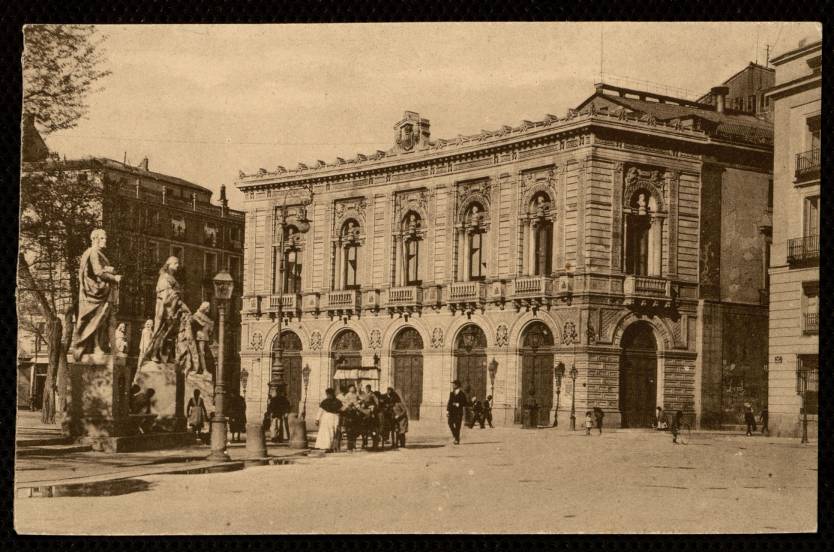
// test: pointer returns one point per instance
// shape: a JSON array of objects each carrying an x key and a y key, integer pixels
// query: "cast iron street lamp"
[
  {"x": 558, "y": 373},
  {"x": 493, "y": 369},
  {"x": 223, "y": 286},
  {"x": 573, "y": 374},
  {"x": 305, "y": 375},
  {"x": 302, "y": 225}
]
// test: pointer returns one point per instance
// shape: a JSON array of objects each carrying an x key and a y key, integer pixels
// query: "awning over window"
[{"x": 357, "y": 374}]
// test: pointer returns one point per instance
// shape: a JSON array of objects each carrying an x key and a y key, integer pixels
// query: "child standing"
[{"x": 589, "y": 422}]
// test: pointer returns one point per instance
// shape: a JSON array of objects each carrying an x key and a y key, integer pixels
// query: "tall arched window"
[
  {"x": 350, "y": 245},
  {"x": 475, "y": 244},
  {"x": 412, "y": 236},
  {"x": 291, "y": 268},
  {"x": 643, "y": 237},
  {"x": 541, "y": 224}
]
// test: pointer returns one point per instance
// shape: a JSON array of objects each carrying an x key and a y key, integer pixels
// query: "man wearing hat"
[{"x": 455, "y": 409}]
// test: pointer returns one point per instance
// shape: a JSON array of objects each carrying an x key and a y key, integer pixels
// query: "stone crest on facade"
[
  {"x": 315, "y": 340},
  {"x": 569, "y": 335},
  {"x": 437, "y": 338},
  {"x": 376, "y": 339},
  {"x": 256, "y": 343},
  {"x": 502, "y": 335}
]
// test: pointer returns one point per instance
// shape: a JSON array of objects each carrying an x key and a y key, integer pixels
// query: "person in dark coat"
[
  {"x": 488, "y": 410},
  {"x": 279, "y": 407},
  {"x": 749, "y": 418},
  {"x": 454, "y": 410},
  {"x": 237, "y": 417},
  {"x": 677, "y": 418},
  {"x": 598, "y": 416},
  {"x": 477, "y": 413},
  {"x": 763, "y": 420}
]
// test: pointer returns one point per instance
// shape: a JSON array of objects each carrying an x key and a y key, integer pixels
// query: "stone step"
[
  {"x": 43, "y": 441},
  {"x": 51, "y": 450}
]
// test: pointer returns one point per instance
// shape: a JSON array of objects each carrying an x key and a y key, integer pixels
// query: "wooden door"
[
  {"x": 638, "y": 377},
  {"x": 537, "y": 374},
  {"x": 408, "y": 370}
]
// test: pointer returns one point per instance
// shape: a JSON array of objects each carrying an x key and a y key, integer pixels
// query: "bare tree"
[{"x": 61, "y": 64}]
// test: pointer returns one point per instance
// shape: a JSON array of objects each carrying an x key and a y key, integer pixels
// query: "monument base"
[
  {"x": 139, "y": 443},
  {"x": 168, "y": 401},
  {"x": 99, "y": 397}
]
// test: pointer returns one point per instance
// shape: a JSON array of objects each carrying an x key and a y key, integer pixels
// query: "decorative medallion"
[
  {"x": 257, "y": 341},
  {"x": 437, "y": 338},
  {"x": 569, "y": 335},
  {"x": 376, "y": 339},
  {"x": 315, "y": 340},
  {"x": 502, "y": 335}
]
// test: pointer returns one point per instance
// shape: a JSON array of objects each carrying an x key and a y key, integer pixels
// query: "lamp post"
[
  {"x": 303, "y": 225},
  {"x": 493, "y": 369},
  {"x": 223, "y": 286},
  {"x": 573, "y": 374},
  {"x": 804, "y": 380},
  {"x": 558, "y": 373},
  {"x": 305, "y": 376}
]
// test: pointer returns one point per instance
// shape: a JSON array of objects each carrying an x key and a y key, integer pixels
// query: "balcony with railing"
[
  {"x": 343, "y": 302},
  {"x": 807, "y": 165},
  {"x": 532, "y": 292},
  {"x": 649, "y": 291},
  {"x": 406, "y": 299},
  {"x": 466, "y": 296},
  {"x": 290, "y": 304},
  {"x": 810, "y": 323},
  {"x": 804, "y": 250}
]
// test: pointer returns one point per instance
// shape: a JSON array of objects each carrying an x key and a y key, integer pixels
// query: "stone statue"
[
  {"x": 167, "y": 315},
  {"x": 205, "y": 327},
  {"x": 95, "y": 277},
  {"x": 641, "y": 204},
  {"x": 145, "y": 340},
  {"x": 121, "y": 338}
]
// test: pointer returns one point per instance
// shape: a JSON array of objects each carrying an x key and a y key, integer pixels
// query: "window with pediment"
[
  {"x": 350, "y": 245},
  {"x": 412, "y": 233},
  {"x": 475, "y": 243}
]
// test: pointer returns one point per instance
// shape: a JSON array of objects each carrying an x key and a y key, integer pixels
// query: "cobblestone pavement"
[{"x": 497, "y": 480}]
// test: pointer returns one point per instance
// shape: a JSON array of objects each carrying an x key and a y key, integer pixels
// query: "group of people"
[
  {"x": 198, "y": 417},
  {"x": 371, "y": 415}
]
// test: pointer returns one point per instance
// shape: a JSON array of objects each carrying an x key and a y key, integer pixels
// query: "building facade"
[
  {"x": 794, "y": 270},
  {"x": 148, "y": 217},
  {"x": 621, "y": 240},
  {"x": 746, "y": 91}
]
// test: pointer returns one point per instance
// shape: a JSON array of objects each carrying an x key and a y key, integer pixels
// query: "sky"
[{"x": 205, "y": 101}]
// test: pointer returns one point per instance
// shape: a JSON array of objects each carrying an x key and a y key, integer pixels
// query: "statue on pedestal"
[
  {"x": 95, "y": 279},
  {"x": 121, "y": 338},
  {"x": 205, "y": 327},
  {"x": 168, "y": 316}
]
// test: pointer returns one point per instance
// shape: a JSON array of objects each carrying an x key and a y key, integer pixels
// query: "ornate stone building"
[{"x": 619, "y": 239}]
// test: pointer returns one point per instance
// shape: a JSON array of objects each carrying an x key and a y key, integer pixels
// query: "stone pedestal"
[
  {"x": 99, "y": 398},
  {"x": 168, "y": 402}
]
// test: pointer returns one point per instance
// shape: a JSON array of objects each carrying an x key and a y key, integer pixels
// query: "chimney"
[
  {"x": 720, "y": 95},
  {"x": 144, "y": 164},
  {"x": 224, "y": 203}
]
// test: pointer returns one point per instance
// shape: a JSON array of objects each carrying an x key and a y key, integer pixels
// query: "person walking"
[
  {"x": 237, "y": 417},
  {"x": 454, "y": 410},
  {"x": 279, "y": 407},
  {"x": 763, "y": 420},
  {"x": 400, "y": 413},
  {"x": 598, "y": 416},
  {"x": 196, "y": 413},
  {"x": 327, "y": 421},
  {"x": 589, "y": 422},
  {"x": 675, "y": 426},
  {"x": 477, "y": 413},
  {"x": 488, "y": 410},
  {"x": 749, "y": 418}
]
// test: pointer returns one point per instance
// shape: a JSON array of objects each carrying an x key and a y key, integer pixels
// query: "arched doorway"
[
  {"x": 346, "y": 356},
  {"x": 471, "y": 361},
  {"x": 537, "y": 369},
  {"x": 638, "y": 376},
  {"x": 407, "y": 357},
  {"x": 291, "y": 361}
]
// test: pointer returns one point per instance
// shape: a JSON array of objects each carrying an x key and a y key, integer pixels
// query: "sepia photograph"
[{"x": 410, "y": 278}]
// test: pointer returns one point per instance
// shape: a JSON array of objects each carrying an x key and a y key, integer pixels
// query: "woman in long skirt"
[{"x": 327, "y": 421}]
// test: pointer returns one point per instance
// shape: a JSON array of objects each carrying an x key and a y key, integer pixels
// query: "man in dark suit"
[{"x": 455, "y": 409}]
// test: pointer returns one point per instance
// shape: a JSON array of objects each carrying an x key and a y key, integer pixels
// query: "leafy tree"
[
  {"x": 58, "y": 213},
  {"x": 61, "y": 64}
]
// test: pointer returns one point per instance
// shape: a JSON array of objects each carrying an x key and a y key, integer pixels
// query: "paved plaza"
[{"x": 499, "y": 480}]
